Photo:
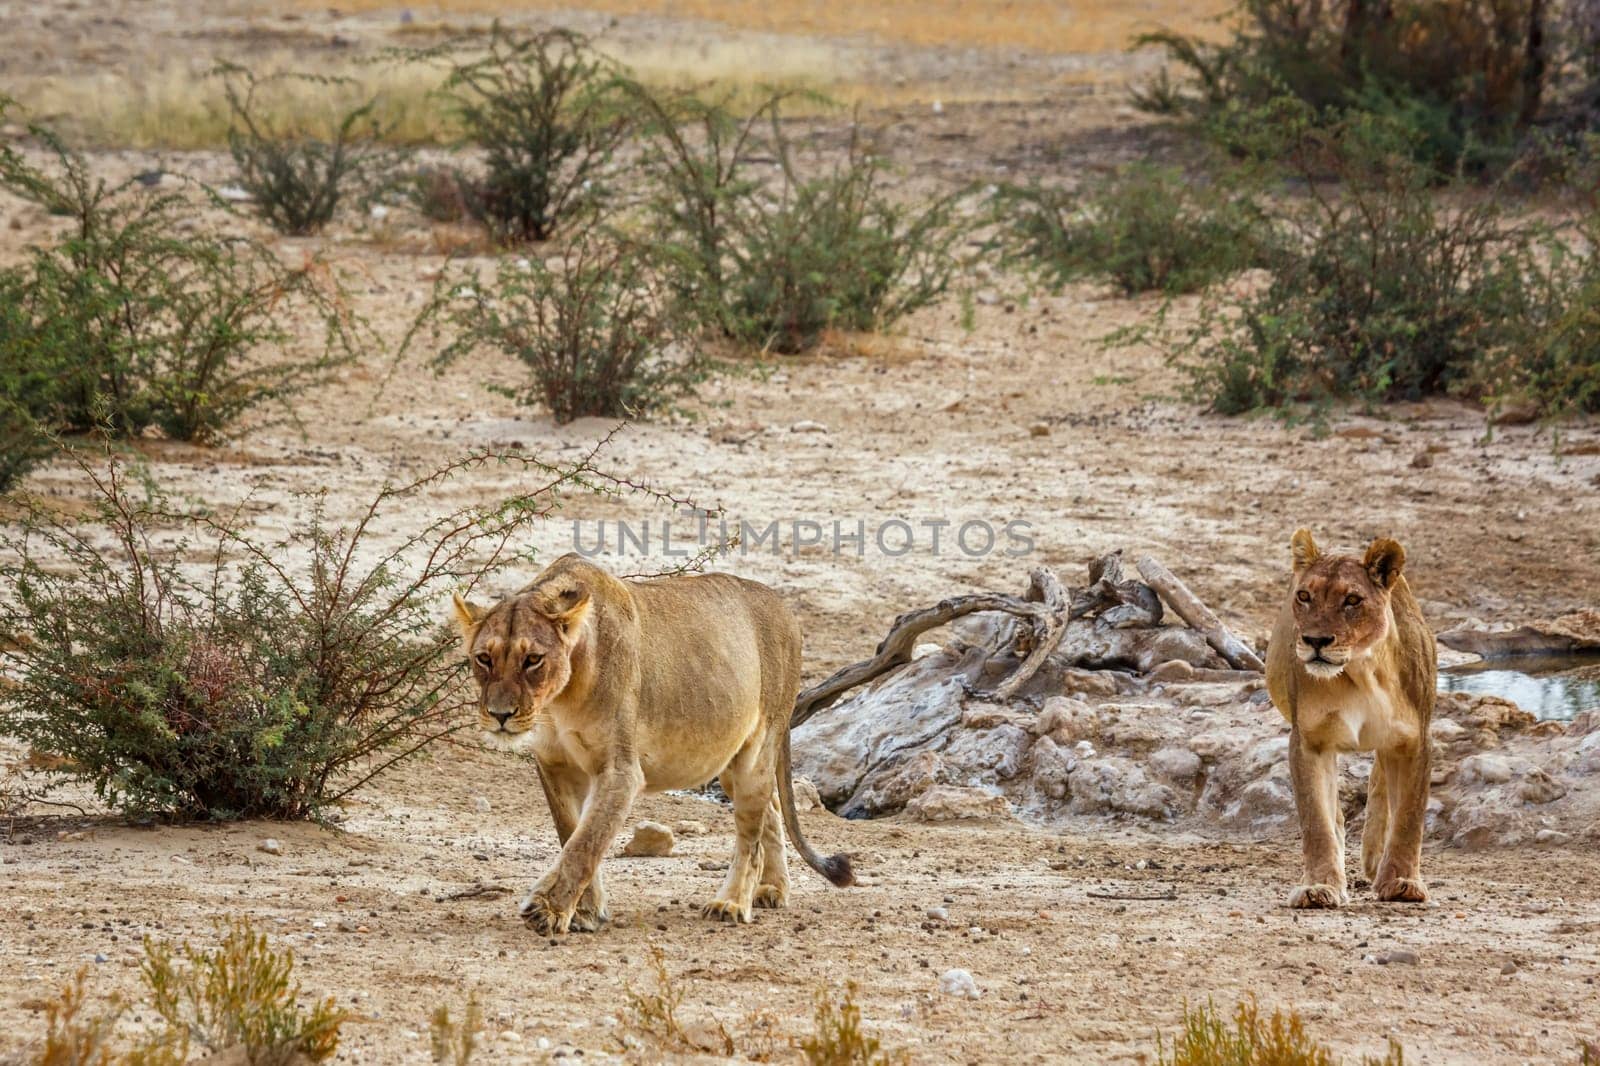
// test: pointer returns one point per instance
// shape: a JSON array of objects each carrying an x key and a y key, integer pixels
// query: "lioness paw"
[
  {"x": 773, "y": 896},
  {"x": 1402, "y": 890},
  {"x": 544, "y": 916},
  {"x": 726, "y": 910},
  {"x": 1317, "y": 897},
  {"x": 588, "y": 920}
]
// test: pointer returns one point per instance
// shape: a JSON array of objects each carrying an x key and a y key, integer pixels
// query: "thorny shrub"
[{"x": 185, "y": 666}]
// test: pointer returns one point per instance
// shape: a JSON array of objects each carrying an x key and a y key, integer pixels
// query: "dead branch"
[
  {"x": 1168, "y": 895},
  {"x": 477, "y": 890},
  {"x": 1044, "y": 604},
  {"x": 1192, "y": 610}
]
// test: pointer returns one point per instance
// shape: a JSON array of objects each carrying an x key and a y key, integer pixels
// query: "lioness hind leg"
[
  {"x": 1399, "y": 876},
  {"x": 773, "y": 891},
  {"x": 751, "y": 795},
  {"x": 1375, "y": 834}
]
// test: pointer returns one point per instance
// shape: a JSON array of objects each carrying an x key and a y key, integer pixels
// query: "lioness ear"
[
  {"x": 1384, "y": 561},
  {"x": 566, "y": 608},
  {"x": 467, "y": 618},
  {"x": 1304, "y": 549}
]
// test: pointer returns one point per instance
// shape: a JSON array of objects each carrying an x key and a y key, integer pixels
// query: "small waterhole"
[{"x": 1557, "y": 687}]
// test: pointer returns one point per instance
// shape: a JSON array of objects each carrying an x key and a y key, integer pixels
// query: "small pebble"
[
  {"x": 1401, "y": 956},
  {"x": 808, "y": 426},
  {"x": 270, "y": 846},
  {"x": 939, "y": 914},
  {"x": 958, "y": 983},
  {"x": 481, "y": 804},
  {"x": 1509, "y": 968},
  {"x": 651, "y": 839}
]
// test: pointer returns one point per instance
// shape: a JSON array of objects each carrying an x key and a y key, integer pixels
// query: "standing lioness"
[
  {"x": 620, "y": 687},
  {"x": 1352, "y": 666}
]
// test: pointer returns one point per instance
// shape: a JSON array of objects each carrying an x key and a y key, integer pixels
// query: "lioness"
[
  {"x": 1352, "y": 666},
  {"x": 620, "y": 687}
]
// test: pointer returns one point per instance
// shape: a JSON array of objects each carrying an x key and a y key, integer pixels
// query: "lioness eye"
[
  {"x": 532, "y": 661},
  {"x": 484, "y": 660},
  {"x": 1303, "y": 596},
  {"x": 1352, "y": 600}
]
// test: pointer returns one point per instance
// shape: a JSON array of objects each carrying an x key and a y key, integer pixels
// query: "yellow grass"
[
  {"x": 1065, "y": 26},
  {"x": 181, "y": 105}
]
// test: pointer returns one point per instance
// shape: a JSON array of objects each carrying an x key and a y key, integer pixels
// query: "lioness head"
[
  {"x": 1341, "y": 603},
  {"x": 520, "y": 651}
]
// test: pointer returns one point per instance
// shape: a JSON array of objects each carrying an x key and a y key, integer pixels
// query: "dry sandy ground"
[{"x": 931, "y": 424}]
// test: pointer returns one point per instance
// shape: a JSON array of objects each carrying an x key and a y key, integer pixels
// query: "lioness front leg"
[
  {"x": 564, "y": 790},
  {"x": 1399, "y": 876},
  {"x": 550, "y": 905},
  {"x": 1314, "y": 775}
]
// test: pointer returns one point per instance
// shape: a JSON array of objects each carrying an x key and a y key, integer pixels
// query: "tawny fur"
[
  {"x": 623, "y": 687},
  {"x": 1368, "y": 687}
]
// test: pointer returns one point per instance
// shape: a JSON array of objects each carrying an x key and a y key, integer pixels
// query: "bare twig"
[
  {"x": 1165, "y": 896},
  {"x": 477, "y": 890}
]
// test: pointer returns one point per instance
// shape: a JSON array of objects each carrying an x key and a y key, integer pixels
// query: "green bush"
[
  {"x": 139, "y": 324},
  {"x": 1388, "y": 291},
  {"x": 774, "y": 268},
  {"x": 184, "y": 669},
  {"x": 1147, "y": 228},
  {"x": 297, "y": 179},
  {"x": 590, "y": 326},
  {"x": 1470, "y": 78},
  {"x": 548, "y": 112}
]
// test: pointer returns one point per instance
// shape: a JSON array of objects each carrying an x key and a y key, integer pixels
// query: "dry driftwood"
[
  {"x": 1044, "y": 604},
  {"x": 1192, "y": 610}
]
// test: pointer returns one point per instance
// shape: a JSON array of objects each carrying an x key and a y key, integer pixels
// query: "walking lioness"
[
  {"x": 620, "y": 687},
  {"x": 1352, "y": 667}
]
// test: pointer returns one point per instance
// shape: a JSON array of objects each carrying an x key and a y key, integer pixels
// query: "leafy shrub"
[
  {"x": 548, "y": 113},
  {"x": 590, "y": 326},
  {"x": 1145, "y": 227},
  {"x": 776, "y": 268},
  {"x": 1470, "y": 78},
  {"x": 1208, "y": 1040},
  {"x": 140, "y": 325},
  {"x": 271, "y": 686},
  {"x": 297, "y": 179},
  {"x": 838, "y": 1040},
  {"x": 1385, "y": 292},
  {"x": 238, "y": 997}
]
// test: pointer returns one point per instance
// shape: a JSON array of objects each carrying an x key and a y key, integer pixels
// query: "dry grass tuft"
[
  {"x": 1208, "y": 1039},
  {"x": 838, "y": 1040}
]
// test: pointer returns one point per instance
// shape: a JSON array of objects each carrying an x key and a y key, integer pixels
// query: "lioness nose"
[
  {"x": 1317, "y": 643},
  {"x": 501, "y": 716}
]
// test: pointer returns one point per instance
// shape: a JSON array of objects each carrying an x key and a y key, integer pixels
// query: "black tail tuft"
[{"x": 837, "y": 869}]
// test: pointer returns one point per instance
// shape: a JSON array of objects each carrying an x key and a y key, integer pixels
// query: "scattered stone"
[
  {"x": 1039, "y": 429},
  {"x": 1539, "y": 787},
  {"x": 1485, "y": 770},
  {"x": 808, "y": 426},
  {"x": 688, "y": 827},
  {"x": 806, "y": 797},
  {"x": 958, "y": 983},
  {"x": 1552, "y": 837},
  {"x": 481, "y": 804},
  {"x": 955, "y": 803},
  {"x": 1509, "y": 968},
  {"x": 939, "y": 914},
  {"x": 713, "y": 864},
  {"x": 1399, "y": 956},
  {"x": 1422, "y": 460},
  {"x": 270, "y": 846},
  {"x": 1176, "y": 764},
  {"x": 1172, "y": 670},
  {"x": 650, "y": 840}
]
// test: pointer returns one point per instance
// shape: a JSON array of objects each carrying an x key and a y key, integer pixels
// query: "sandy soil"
[{"x": 931, "y": 424}]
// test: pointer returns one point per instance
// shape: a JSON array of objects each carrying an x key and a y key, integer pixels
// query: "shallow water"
[{"x": 1551, "y": 687}]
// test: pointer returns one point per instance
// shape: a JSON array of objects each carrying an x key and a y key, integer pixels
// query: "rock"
[
  {"x": 688, "y": 827},
  {"x": 939, "y": 914},
  {"x": 650, "y": 840},
  {"x": 1065, "y": 720},
  {"x": 481, "y": 804},
  {"x": 1539, "y": 787},
  {"x": 270, "y": 846},
  {"x": 1552, "y": 838},
  {"x": 1172, "y": 670},
  {"x": 955, "y": 803},
  {"x": 1422, "y": 460},
  {"x": 1401, "y": 956},
  {"x": 806, "y": 797},
  {"x": 1115, "y": 784},
  {"x": 1510, "y": 967},
  {"x": 1039, "y": 429},
  {"x": 806, "y": 425},
  {"x": 713, "y": 864},
  {"x": 1175, "y": 764},
  {"x": 1484, "y": 770},
  {"x": 1447, "y": 730},
  {"x": 958, "y": 983}
]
